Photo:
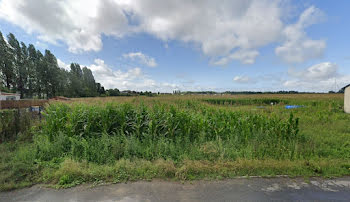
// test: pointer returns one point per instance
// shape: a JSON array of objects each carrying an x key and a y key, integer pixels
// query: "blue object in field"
[{"x": 293, "y": 106}]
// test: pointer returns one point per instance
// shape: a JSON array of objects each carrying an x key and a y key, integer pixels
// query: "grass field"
[{"x": 181, "y": 137}]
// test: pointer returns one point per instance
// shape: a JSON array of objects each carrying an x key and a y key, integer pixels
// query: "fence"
[{"x": 18, "y": 104}]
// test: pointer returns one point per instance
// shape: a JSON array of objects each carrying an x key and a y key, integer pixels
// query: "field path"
[{"x": 253, "y": 189}]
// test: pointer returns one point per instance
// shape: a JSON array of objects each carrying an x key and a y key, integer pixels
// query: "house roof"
[{"x": 346, "y": 86}]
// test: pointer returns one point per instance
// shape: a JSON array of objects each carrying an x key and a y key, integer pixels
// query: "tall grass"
[
  {"x": 181, "y": 137},
  {"x": 14, "y": 123},
  {"x": 106, "y": 133},
  {"x": 246, "y": 101}
]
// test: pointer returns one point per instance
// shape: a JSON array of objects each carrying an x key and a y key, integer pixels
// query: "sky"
[{"x": 192, "y": 45}]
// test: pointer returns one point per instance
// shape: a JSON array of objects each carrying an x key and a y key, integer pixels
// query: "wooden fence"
[{"x": 18, "y": 104}]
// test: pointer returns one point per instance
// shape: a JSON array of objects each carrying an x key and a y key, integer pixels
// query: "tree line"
[{"x": 34, "y": 74}]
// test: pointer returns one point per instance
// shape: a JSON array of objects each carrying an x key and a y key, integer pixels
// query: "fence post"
[
  {"x": 17, "y": 124},
  {"x": 40, "y": 113}
]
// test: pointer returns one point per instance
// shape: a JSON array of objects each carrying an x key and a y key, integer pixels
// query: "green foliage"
[
  {"x": 113, "y": 92},
  {"x": 261, "y": 101},
  {"x": 103, "y": 134},
  {"x": 33, "y": 74},
  {"x": 13, "y": 123},
  {"x": 184, "y": 139}
]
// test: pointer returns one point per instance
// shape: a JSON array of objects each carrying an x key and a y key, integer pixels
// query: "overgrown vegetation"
[
  {"x": 120, "y": 139},
  {"x": 103, "y": 134},
  {"x": 14, "y": 123},
  {"x": 262, "y": 101}
]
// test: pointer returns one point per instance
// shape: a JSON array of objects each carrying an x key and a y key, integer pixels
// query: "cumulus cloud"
[
  {"x": 63, "y": 65},
  {"x": 78, "y": 23},
  {"x": 298, "y": 47},
  {"x": 243, "y": 80},
  {"x": 218, "y": 29},
  {"x": 136, "y": 79},
  {"x": 141, "y": 58},
  {"x": 116, "y": 78},
  {"x": 321, "y": 77},
  {"x": 316, "y": 72},
  {"x": 223, "y": 31},
  {"x": 132, "y": 79},
  {"x": 320, "y": 86},
  {"x": 245, "y": 56}
]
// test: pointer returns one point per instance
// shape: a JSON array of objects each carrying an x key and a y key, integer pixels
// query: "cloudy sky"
[{"x": 166, "y": 45}]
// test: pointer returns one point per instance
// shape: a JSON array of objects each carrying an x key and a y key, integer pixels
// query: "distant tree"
[
  {"x": 19, "y": 63},
  {"x": 76, "y": 75},
  {"x": 52, "y": 74},
  {"x": 40, "y": 74},
  {"x": 113, "y": 92},
  {"x": 6, "y": 64},
  {"x": 32, "y": 80},
  {"x": 89, "y": 83},
  {"x": 100, "y": 89},
  {"x": 25, "y": 69}
]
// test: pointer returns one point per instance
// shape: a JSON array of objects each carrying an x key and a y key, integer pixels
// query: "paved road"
[{"x": 253, "y": 189}]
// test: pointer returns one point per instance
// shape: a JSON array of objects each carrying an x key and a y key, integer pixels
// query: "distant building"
[
  {"x": 9, "y": 96},
  {"x": 347, "y": 99}
]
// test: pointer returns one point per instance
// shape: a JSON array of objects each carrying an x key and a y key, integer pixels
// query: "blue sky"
[{"x": 184, "y": 45}]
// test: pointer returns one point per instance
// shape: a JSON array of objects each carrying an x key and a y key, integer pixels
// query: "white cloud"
[
  {"x": 316, "y": 72},
  {"x": 77, "y": 23},
  {"x": 243, "y": 80},
  {"x": 63, "y": 65},
  {"x": 223, "y": 31},
  {"x": 320, "y": 86},
  {"x": 136, "y": 79},
  {"x": 41, "y": 45},
  {"x": 218, "y": 28},
  {"x": 141, "y": 58},
  {"x": 298, "y": 47},
  {"x": 321, "y": 77},
  {"x": 132, "y": 79},
  {"x": 245, "y": 56}
]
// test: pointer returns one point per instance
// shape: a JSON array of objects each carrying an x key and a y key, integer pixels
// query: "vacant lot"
[{"x": 180, "y": 137}]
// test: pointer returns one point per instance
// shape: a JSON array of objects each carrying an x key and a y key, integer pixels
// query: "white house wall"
[
  {"x": 347, "y": 100},
  {"x": 3, "y": 97}
]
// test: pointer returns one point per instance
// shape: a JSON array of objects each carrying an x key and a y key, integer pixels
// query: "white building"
[
  {"x": 347, "y": 99},
  {"x": 9, "y": 96}
]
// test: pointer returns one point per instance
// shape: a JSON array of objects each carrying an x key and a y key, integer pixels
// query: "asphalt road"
[{"x": 252, "y": 189}]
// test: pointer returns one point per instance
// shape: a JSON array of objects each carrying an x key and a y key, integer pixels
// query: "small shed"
[
  {"x": 347, "y": 98},
  {"x": 9, "y": 96}
]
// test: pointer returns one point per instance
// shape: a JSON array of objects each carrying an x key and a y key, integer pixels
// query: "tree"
[
  {"x": 52, "y": 72},
  {"x": 89, "y": 83},
  {"x": 100, "y": 89},
  {"x": 32, "y": 80},
  {"x": 27, "y": 70},
  {"x": 76, "y": 80},
  {"x": 6, "y": 64},
  {"x": 18, "y": 62},
  {"x": 23, "y": 70},
  {"x": 113, "y": 92},
  {"x": 40, "y": 74}
]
